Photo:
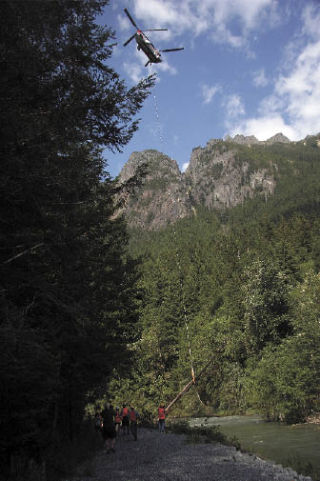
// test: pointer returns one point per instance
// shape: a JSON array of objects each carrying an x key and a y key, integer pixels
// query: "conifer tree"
[{"x": 67, "y": 286}]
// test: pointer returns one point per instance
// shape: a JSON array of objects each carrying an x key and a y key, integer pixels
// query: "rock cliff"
[
  {"x": 220, "y": 175},
  {"x": 161, "y": 198}
]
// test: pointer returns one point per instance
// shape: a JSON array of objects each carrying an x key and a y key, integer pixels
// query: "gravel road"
[{"x": 167, "y": 457}]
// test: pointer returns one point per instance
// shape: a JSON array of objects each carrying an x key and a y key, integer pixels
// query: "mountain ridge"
[{"x": 223, "y": 174}]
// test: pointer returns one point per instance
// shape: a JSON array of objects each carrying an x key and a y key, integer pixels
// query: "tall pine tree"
[{"x": 67, "y": 287}]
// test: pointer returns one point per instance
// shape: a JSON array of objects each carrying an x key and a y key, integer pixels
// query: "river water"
[{"x": 295, "y": 446}]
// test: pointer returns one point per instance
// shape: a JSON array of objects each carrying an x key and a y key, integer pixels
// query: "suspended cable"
[{"x": 159, "y": 128}]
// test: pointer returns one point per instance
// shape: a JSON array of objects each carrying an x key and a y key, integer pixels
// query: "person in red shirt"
[
  {"x": 161, "y": 418},
  {"x": 118, "y": 420}
]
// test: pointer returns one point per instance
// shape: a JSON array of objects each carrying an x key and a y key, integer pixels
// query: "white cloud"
[
  {"x": 215, "y": 18},
  {"x": 234, "y": 106},
  {"x": 208, "y": 92},
  {"x": 184, "y": 166},
  {"x": 259, "y": 78},
  {"x": 228, "y": 22},
  {"x": 124, "y": 23},
  {"x": 164, "y": 66},
  {"x": 311, "y": 19},
  {"x": 134, "y": 71},
  {"x": 294, "y": 106},
  {"x": 263, "y": 127}
]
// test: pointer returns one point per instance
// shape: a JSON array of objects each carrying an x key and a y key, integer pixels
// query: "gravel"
[{"x": 167, "y": 457}]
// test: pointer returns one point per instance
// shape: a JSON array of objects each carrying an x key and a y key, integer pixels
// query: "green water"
[{"x": 296, "y": 446}]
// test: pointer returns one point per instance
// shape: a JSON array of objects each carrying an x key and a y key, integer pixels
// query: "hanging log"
[
  {"x": 188, "y": 386},
  {"x": 181, "y": 393}
]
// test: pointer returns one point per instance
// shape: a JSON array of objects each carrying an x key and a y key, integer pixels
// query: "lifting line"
[{"x": 159, "y": 126}]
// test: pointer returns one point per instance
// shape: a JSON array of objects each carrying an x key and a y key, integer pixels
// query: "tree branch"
[{"x": 23, "y": 253}]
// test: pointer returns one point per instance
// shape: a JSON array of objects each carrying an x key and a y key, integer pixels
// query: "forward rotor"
[
  {"x": 131, "y": 19},
  {"x": 136, "y": 26},
  {"x": 129, "y": 40}
]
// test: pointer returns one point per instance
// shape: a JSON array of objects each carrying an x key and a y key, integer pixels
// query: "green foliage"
[
  {"x": 233, "y": 279},
  {"x": 284, "y": 383},
  {"x": 202, "y": 434},
  {"x": 265, "y": 305}
]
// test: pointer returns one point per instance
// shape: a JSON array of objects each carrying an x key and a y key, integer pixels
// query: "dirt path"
[{"x": 167, "y": 457}]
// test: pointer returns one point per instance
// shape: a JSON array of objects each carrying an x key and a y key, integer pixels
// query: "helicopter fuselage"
[{"x": 144, "y": 44}]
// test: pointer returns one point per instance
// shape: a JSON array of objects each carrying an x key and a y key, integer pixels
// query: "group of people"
[{"x": 112, "y": 422}]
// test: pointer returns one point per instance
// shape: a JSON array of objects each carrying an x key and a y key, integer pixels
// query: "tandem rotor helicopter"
[{"x": 144, "y": 44}]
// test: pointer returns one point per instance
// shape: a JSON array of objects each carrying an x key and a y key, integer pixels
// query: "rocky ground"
[{"x": 168, "y": 457}]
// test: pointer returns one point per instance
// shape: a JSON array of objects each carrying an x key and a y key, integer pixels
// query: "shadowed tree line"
[{"x": 68, "y": 287}]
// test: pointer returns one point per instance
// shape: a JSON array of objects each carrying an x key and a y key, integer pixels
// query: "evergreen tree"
[{"x": 68, "y": 296}]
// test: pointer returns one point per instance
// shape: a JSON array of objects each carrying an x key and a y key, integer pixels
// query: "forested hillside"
[
  {"x": 68, "y": 286},
  {"x": 236, "y": 290}
]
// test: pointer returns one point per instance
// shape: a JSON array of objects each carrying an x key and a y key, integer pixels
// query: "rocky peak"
[
  {"x": 157, "y": 164},
  {"x": 251, "y": 139},
  {"x": 242, "y": 139},
  {"x": 278, "y": 138},
  {"x": 161, "y": 198},
  {"x": 220, "y": 175}
]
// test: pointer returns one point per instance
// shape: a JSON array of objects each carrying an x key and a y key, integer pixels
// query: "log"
[
  {"x": 188, "y": 386},
  {"x": 181, "y": 393}
]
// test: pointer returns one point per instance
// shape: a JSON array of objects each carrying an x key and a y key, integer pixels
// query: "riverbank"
[
  {"x": 295, "y": 445},
  {"x": 315, "y": 419},
  {"x": 168, "y": 457}
]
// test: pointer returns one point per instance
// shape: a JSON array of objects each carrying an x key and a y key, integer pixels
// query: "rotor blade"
[
  {"x": 172, "y": 49},
  {"x": 129, "y": 40},
  {"x": 131, "y": 19},
  {"x": 156, "y": 30}
]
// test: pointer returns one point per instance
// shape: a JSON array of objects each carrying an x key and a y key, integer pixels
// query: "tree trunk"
[
  {"x": 188, "y": 386},
  {"x": 181, "y": 393}
]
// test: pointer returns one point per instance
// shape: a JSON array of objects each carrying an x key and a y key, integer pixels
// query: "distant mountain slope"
[{"x": 223, "y": 174}]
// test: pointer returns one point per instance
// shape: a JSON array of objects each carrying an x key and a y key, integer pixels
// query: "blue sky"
[{"x": 248, "y": 67}]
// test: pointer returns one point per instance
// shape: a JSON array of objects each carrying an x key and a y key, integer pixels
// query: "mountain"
[{"x": 223, "y": 174}]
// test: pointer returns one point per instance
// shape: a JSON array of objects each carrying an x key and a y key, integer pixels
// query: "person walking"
[
  {"x": 97, "y": 421},
  {"x": 161, "y": 418},
  {"x": 134, "y": 415},
  {"x": 125, "y": 419},
  {"x": 108, "y": 429},
  {"x": 118, "y": 420}
]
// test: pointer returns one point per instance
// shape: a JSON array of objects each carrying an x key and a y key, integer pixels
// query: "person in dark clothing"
[
  {"x": 118, "y": 421},
  {"x": 97, "y": 421},
  {"x": 133, "y": 423},
  {"x": 108, "y": 429},
  {"x": 125, "y": 419}
]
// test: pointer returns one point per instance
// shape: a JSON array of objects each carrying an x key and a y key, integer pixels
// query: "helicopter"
[{"x": 144, "y": 44}]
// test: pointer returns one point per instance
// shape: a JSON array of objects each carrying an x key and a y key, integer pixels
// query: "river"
[{"x": 296, "y": 445}]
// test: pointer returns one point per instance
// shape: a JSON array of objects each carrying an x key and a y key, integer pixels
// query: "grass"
[
  {"x": 303, "y": 467},
  {"x": 201, "y": 434}
]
